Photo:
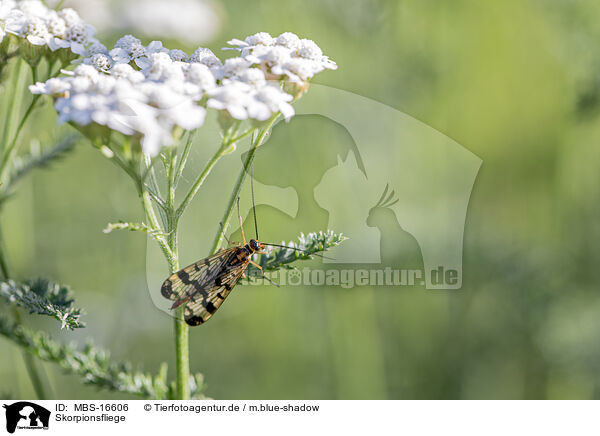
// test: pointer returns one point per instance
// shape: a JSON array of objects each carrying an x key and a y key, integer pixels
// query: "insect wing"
[
  {"x": 204, "y": 285},
  {"x": 203, "y": 305},
  {"x": 184, "y": 282}
]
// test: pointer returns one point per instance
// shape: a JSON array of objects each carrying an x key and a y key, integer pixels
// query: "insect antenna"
[
  {"x": 300, "y": 250},
  {"x": 241, "y": 223},
  {"x": 253, "y": 203}
]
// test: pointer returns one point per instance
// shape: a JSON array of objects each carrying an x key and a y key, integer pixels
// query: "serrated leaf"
[
  {"x": 303, "y": 249},
  {"x": 133, "y": 227},
  {"x": 44, "y": 297}
]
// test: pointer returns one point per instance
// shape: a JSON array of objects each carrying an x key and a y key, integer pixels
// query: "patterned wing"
[
  {"x": 202, "y": 305},
  {"x": 204, "y": 285},
  {"x": 185, "y": 282}
]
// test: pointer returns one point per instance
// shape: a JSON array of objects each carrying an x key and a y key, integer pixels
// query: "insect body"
[{"x": 204, "y": 285}]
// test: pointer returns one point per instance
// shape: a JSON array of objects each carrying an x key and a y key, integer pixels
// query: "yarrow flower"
[
  {"x": 123, "y": 99},
  {"x": 286, "y": 55},
  {"x": 150, "y": 91},
  {"x": 40, "y": 26},
  {"x": 129, "y": 48}
]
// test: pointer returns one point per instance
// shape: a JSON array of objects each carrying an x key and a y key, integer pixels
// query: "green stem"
[
  {"x": 30, "y": 365},
  {"x": 15, "y": 86},
  {"x": 242, "y": 136},
  {"x": 222, "y": 151},
  {"x": 169, "y": 254},
  {"x": 12, "y": 147},
  {"x": 184, "y": 157},
  {"x": 238, "y": 185},
  {"x": 14, "y": 110},
  {"x": 181, "y": 329},
  {"x": 182, "y": 356},
  {"x": 174, "y": 172},
  {"x": 169, "y": 249},
  {"x": 3, "y": 263}
]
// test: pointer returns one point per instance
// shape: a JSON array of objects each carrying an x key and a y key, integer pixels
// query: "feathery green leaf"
[
  {"x": 44, "y": 297},
  {"x": 306, "y": 246},
  {"x": 134, "y": 227}
]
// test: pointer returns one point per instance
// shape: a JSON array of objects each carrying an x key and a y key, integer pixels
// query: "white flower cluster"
[
  {"x": 149, "y": 90},
  {"x": 286, "y": 55},
  {"x": 41, "y": 26}
]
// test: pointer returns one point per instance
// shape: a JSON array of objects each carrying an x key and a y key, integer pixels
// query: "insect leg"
[
  {"x": 263, "y": 273},
  {"x": 223, "y": 232}
]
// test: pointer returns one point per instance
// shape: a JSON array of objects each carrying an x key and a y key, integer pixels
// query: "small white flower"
[
  {"x": 81, "y": 84},
  {"x": 101, "y": 62},
  {"x": 178, "y": 55},
  {"x": 55, "y": 43},
  {"x": 261, "y": 38},
  {"x": 15, "y": 21},
  {"x": 199, "y": 80},
  {"x": 269, "y": 100},
  {"x": 70, "y": 16},
  {"x": 244, "y": 101},
  {"x": 57, "y": 26},
  {"x": 86, "y": 71},
  {"x": 105, "y": 84},
  {"x": 162, "y": 68},
  {"x": 253, "y": 77},
  {"x": 96, "y": 48},
  {"x": 235, "y": 66},
  {"x": 232, "y": 97},
  {"x": 120, "y": 55},
  {"x": 52, "y": 87},
  {"x": 129, "y": 48},
  {"x": 126, "y": 71},
  {"x": 79, "y": 33},
  {"x": 155, "y": 47},
  {"x": 299, "y": 70},
  {"x": 86, "y": 53},
  {"x": 32, "y": 8},
  {"x": 127, "y": 42},
  {"x": 36, "y": 31},
  {"x": 272, "y": 57},
  {"x": 207, "y": 57},
  {"x": 308, "y": 49},
  {"x": 289, "y": 40}
]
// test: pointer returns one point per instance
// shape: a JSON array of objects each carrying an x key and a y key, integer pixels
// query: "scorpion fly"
[{"x": 203, "y": 286}]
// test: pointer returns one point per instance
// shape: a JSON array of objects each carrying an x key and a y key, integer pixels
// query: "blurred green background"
[{"x": 515, "y": 82}]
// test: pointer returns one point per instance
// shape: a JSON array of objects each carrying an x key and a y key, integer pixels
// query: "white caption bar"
[{"x": 205, "y": 417}]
